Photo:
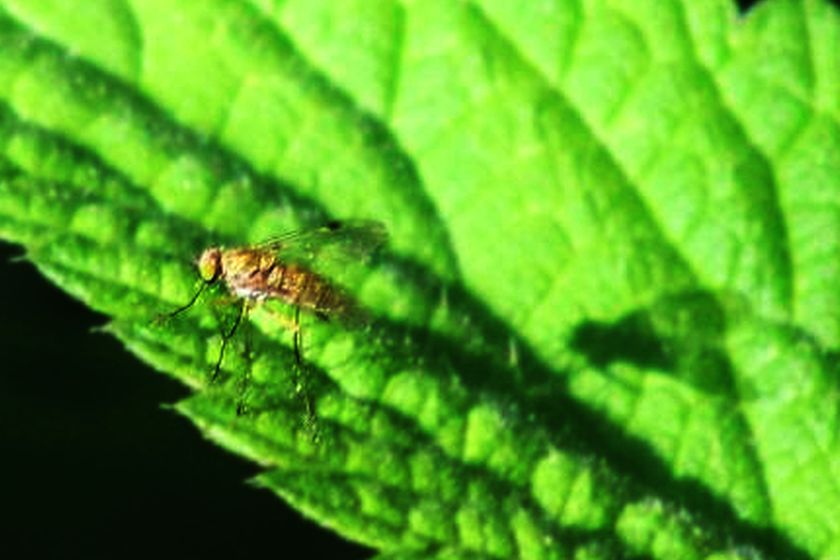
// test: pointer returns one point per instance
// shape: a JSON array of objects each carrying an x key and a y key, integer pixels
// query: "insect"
[{"x": 284, "y": 269}]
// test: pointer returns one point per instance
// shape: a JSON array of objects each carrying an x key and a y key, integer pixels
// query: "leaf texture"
[{"x": 608, "y": 322}]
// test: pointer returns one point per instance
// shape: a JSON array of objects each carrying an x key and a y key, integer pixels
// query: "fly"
[{"x": 283, "y": 269}]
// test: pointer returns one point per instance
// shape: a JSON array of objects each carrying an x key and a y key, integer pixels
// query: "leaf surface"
[{"x": 607, "y": 324}]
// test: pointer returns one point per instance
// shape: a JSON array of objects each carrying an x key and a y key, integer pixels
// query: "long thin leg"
[
  {"x": 297, "y": 344},
  {"x": 297, "y": 341},
  {"x": 300, "y": 378},
  {"x": 243, "y": 312},
  {"x": 244, "y": 380}
]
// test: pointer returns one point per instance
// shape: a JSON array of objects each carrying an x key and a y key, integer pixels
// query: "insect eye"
[{"x": 209, "y": 265}]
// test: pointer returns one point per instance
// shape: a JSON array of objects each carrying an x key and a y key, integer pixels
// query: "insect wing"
[{"x": 335, "y": 244}]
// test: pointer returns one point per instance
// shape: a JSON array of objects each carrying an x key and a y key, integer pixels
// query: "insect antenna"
[
  {"x": 226, "y": 336},
  {"x": 186, "y": 306}
]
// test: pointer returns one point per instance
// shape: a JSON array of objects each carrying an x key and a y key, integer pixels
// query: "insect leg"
[
  {"x": 245, "y": 380},
  {"x": 301, "y": 383},
  {"x": 243, "y": 312},
  {"x": 297, "y": 341},
  {"x": 300, "y": 378}
]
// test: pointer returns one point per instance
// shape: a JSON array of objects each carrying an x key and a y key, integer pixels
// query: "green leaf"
[{"x": 608, "y": 321}]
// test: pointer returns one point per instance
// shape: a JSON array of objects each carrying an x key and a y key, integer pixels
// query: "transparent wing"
[{"x": 336, "y": 243}]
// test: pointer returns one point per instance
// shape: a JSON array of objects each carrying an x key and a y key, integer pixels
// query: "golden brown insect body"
[{"x": 258, "y": 274}]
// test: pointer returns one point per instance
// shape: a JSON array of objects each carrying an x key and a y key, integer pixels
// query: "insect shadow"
[{"x": 681, "y": 335}]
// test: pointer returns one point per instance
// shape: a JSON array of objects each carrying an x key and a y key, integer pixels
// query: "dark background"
[{"x": 92, "y": 466}]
